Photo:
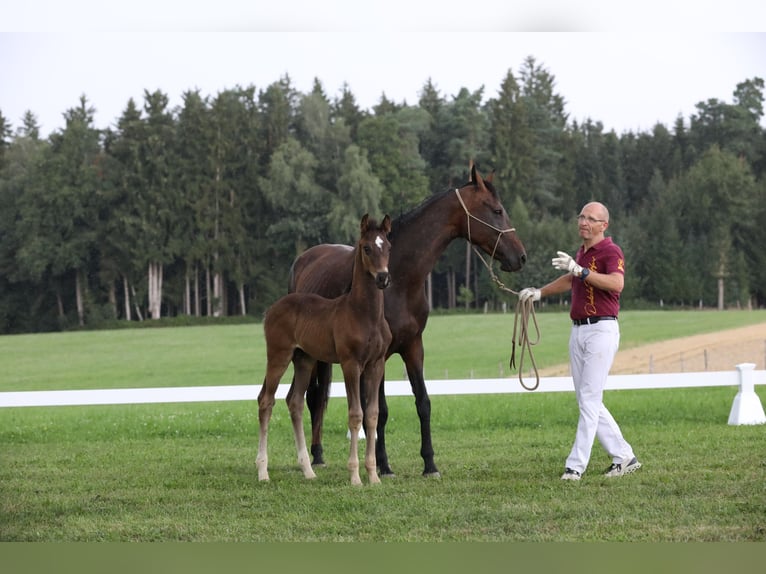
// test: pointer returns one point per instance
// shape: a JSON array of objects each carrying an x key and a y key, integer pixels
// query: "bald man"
[{"x": 596, "y": 277}]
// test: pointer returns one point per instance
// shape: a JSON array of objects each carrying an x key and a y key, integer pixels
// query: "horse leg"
[
  {"x": 275, "y": 368},
  {"x": 413, "y": 360},
  {"x": 380, "y": 439},
  {"x": 351, "y": 373},
  {"x": 317, "y": 397},
  {"x": 303, "y": 367},
  {"x": 371, "y": 380}
]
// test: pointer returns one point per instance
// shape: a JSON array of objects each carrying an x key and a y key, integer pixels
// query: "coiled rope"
[{"x": 525, "y": 310}]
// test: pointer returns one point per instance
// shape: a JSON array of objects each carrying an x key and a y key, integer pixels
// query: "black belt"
[{"x": 592, "y": 320}]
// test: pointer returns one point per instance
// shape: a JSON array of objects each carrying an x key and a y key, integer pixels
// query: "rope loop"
[{"x": 524, "y": 310}]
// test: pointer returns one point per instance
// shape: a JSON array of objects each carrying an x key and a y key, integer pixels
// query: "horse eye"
[
  {"x": 498, "y": 212},
  {"x": 367, "y": 249}
]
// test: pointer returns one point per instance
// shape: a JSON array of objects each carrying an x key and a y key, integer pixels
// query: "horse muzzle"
[
  {"x": 382, "y": 279},
  {"x": 515, "y": 263}
]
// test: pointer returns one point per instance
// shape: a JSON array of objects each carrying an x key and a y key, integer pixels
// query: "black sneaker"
[
  {"x": 625, "y": 467},
  {"x": 570, "y": 474}
]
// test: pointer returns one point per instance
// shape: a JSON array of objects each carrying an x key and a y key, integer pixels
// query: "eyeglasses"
[{"x": 589, "y": 219}]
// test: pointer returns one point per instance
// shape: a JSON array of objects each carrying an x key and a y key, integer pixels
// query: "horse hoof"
[
  {"x": 320, "y": 464},
  {"x": 435, "y": 474},
  {"x": 389, "y": 474}
]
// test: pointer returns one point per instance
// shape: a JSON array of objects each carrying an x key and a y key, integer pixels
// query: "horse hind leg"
[
  {"x": 274, "y": 371},
  {"x": 295, "y": 401},
  {"x": 317, "y": 397}
]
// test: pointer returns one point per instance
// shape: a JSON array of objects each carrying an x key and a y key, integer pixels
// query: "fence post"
[{"x": 747, "y": 408}]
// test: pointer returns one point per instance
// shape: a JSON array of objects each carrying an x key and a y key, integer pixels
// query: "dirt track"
[{"x": 719, "y": 351}]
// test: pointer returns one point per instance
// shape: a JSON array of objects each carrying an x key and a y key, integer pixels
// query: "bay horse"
[
  {"x": 473, "y": 212},
  {"x": 351, "y": 330}
]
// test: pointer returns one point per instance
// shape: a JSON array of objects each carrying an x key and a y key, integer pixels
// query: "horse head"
[
  {"x": 487, "y": 223},
  {"x": 375, "y": 249}
]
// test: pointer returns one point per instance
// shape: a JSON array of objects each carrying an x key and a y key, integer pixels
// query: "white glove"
[
  {"x": 529, "y": 293},
  {"x": 566, "y": 263}
]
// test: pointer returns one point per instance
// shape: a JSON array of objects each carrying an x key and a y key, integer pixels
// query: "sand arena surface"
[{"x": 719, "y": 351}]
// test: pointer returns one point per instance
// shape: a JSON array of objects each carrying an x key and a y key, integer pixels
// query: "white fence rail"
[{"x": 747, "y": 408}]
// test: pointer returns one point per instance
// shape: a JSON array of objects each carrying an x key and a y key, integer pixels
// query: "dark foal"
[{"x": 351, "y": 330}]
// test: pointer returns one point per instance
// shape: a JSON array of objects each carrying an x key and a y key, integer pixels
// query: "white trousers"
[{"x": 591, "y": 352}]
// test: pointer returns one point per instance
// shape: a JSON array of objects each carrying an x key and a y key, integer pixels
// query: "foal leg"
[
  {"x": 372, "y": 377},
  {"x": 351, "y": 374},
  {"x": 275, "y": 368},
  {"x": 303, "y": 367}
]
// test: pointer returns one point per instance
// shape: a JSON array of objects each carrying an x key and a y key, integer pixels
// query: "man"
[{"x": 596, "y": 277}]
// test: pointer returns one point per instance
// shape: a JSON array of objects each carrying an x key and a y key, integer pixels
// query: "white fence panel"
[{"x": 744, "y": 372}]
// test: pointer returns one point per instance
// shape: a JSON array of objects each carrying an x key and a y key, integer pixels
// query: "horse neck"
[
  {"x": 423, "y": 235},
  {"x": 364, "y": 294}
]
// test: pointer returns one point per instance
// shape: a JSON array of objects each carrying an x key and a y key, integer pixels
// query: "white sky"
[{"x": 626, "y": 69}]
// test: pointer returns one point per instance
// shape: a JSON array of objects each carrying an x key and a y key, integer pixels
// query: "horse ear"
[
  {"x": 476, "y": 176},
  {"x": 363, "y": 224},
  {"x": 478, "y": 182},
  {"x": 386, "y": 224}
]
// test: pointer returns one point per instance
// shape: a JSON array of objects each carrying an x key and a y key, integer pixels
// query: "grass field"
[
  {"x": 457, "y": 346},
  {"x": 186, "y": 472}
]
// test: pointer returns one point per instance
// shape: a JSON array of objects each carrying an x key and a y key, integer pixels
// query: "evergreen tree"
[
  {"x": 345, "y": 109},
  {"x": 25, "y": 304},
  {"x": 196, "y": 136},
  {"x": 277, "y": 106},
  {"x": 510, "y": 140},
  {"x": 717, "y": 209},
  {"x": 159, "y": 203},
  {"x": 61, "y": 211},
  {"x": 5, "y": 138},
  {"x": 392, "y": 149},
  {"x": 358, "y": 192},
  {"x": 299, "y": 203},
  {"x": 432, "y": 148},
  {"x": 124, "y": 239}
]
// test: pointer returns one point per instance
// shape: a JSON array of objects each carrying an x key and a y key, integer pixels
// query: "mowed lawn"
[
  {"x": 186, "y": 472},
  {"x": 456, "y": 347}
]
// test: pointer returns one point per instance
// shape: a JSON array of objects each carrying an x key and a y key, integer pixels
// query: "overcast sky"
[{"x": 627, "y": 70}]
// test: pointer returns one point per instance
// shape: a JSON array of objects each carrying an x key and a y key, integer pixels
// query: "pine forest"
[{"x": 198, "y": 211}]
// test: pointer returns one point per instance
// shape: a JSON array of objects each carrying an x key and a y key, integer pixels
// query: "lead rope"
[{"x": 524, "y": 309}]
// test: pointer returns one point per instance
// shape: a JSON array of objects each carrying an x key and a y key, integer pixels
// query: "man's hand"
[
  {"x": 529, "y": 293},
  {"x": 566, "y": 263}
]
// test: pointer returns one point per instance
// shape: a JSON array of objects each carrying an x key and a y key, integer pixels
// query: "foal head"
[
  {"x": 488, "y": 225},
  {"x": 374, "y": 249}
]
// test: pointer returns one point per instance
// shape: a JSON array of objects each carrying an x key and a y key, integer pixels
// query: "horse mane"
[{"x": 424, "y": 205}]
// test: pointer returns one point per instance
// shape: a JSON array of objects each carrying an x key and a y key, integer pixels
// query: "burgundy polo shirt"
[{"x": 588, "y": 301}]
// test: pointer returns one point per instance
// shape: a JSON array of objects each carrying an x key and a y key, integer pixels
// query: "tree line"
[{"x": 199, "y": 210}]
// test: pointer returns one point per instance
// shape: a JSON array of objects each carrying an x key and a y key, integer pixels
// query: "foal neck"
[{"x": 363, "y": 288}]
